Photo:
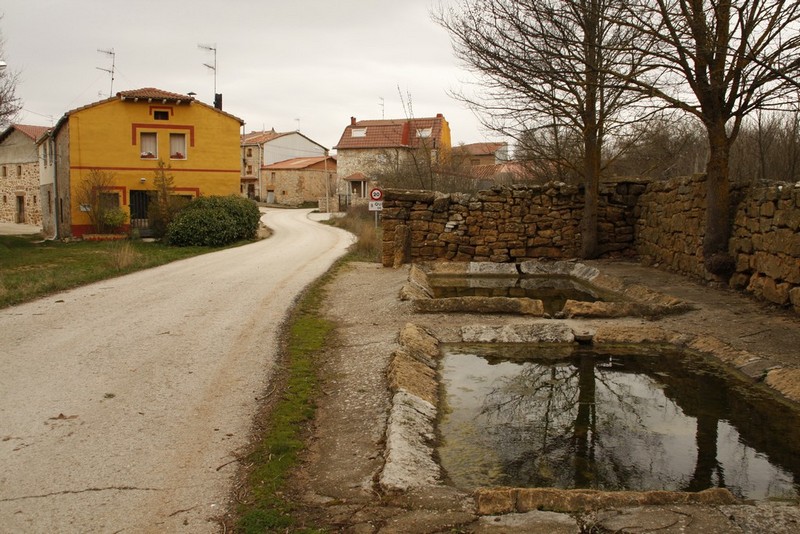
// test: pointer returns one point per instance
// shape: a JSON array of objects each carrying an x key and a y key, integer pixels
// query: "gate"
[{"x": 140, "y": 200}]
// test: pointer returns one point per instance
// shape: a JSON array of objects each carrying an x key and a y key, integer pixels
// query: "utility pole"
[{"x": 111, "y": 70}]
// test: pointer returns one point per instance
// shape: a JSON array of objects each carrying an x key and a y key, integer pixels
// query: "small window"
[
  {"x": 109, "y": 200},
  {"x": 161, "y": 115},
  {"x": 19, "y": 171},
  {"x": 148, "y": 143},
  {"x": 359, "y": 132},
  {"x": 249, "y": 152},
  {"x": 249, "y": 169},
  {"x": 177, "y": 146},
  {"x": 4, "y": 172},
  {"x": 424, "y": 132}
]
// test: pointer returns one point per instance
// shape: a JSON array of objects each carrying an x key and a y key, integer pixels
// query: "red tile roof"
[
  {"x": 257, "y": 138},
  {"x": 34, "y": 132},
  {"x": 300, "y": 163},
  {"x": 154, "y": 94},
  {"x": 390, "y": 133}
]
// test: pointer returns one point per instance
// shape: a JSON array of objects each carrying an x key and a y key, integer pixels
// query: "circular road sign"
[{"x": 376, "y": 194}]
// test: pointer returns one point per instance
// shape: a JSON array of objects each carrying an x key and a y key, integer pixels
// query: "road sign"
[
  {"x": 376, "y": 193},
  {"x": 375, "y": 205}
]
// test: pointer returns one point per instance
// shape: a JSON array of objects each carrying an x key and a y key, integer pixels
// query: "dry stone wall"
[
  {"x": 662, "y": 223},
  {"x": 766, "y": 244},
  {"x": 504, "y": 224}
]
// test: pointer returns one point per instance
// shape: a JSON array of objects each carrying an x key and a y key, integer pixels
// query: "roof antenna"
[
  {"x": 213, "y": 66},
  {"x": 298, "y": 125},
  {"x": 111, "y": 70},
  {"x": 383, "y": 108}
]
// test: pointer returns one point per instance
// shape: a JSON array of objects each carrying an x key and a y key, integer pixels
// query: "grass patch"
[
  {"x": 361, "y": 222},
  {"x": 30, "y": 268},
  {"x": 276, "y": 452}
]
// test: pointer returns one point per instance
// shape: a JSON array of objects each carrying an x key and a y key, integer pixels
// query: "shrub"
[
  {"x": 214, "y": 221},
  {"x": 113, "y": 218}
]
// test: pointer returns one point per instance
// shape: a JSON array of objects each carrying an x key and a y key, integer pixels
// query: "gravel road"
[{"x": 123, "y": 403}]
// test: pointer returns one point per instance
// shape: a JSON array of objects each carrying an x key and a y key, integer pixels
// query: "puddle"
[
  {"x": 556, "y": 416},
  {"x": 553, "y": 291}
]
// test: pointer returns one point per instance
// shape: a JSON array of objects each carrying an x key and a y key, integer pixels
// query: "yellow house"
[{"x": 125, "y": 136}]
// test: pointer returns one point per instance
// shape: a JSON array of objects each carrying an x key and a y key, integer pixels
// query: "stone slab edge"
[{"x": 409, "y": 455}]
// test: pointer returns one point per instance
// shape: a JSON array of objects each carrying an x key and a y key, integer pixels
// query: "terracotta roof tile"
[
  {"x": 257, "y": 138},
  {"x": 389, "y": 133},
  {"x": 34, "y": 132},
  {"x": 299, "y": 163},
  {"x": 155, "y": 94}
]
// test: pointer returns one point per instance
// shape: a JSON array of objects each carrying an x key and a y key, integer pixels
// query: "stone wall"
[
  {"x": 20, "y": 184},
  {"x": 765, "y": 239},
  {"x": 662, "y": 223},
  {"x": 504, "y": 224},
  {"x": 766, "y": 244}
]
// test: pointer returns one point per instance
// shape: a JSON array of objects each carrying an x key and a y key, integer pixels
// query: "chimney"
[
  {"x": 439, "y": 116},
  {"x": 352, "y": 121},
  {"x": 218, "y": 101}
]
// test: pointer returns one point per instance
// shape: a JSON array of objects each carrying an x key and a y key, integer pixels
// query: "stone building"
[
  {"x": 368, "y": 149},
  {"x": 20, "y": 199},
  {"x": 299, "y": 181},
  {"x": 264, "y": 148}
]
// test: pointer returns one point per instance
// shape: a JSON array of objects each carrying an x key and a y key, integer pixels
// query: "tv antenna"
[
  {"x": 111, "y": 70},
  {"x": 212, "y": 66},
  {"x": 383, "y": 107}
]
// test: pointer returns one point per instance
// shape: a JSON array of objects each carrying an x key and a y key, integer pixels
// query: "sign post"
[{"x": 376, "y": 202}]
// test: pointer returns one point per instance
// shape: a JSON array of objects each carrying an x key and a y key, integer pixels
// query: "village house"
[
  {"x": 298, "y": 181},
  {"x": 369, "y": 149},
  {"x": 264, "y": 148},
  {"x": 20, "y": 198},
  {"x": 126, "y": 136},
  {"x": 477, "y": 154}
]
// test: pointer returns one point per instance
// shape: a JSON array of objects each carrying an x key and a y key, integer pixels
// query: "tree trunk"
[{"x": 718, "y": 220}]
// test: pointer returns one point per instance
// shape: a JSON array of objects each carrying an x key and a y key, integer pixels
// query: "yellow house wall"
[{"x": 106, "y": 137}]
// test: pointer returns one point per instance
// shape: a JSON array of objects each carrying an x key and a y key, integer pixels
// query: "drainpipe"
[{"x": 56, "y": 203}]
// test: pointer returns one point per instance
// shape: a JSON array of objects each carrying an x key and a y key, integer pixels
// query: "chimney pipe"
[
  {"x": 218, "y": 101},
  {"x": 352, "y": 121}
]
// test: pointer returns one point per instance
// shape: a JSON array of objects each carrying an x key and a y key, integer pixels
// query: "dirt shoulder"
[{"x": 336, "y": 485}]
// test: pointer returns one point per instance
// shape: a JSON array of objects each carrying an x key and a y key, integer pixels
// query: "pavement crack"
[{"x": 77, "y": 492}]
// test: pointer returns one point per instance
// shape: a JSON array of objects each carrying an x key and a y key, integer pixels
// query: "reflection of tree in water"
[{"x": 551, "y": 431}]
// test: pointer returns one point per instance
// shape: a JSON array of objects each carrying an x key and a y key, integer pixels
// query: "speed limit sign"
[{"x": 376, "y": 194}]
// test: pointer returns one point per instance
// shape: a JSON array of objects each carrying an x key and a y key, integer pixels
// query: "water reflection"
[{"x": 611, "y": 421}]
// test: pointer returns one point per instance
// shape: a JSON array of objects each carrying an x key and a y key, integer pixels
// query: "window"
[
  {"x": 19, "y": 171},
  {"x": 148, "y": 143},
  {"x": 249, "y": 169},
  {"x": 4, "y": 172},
  {"x": 161, "y": 115},
  {"x": 249, "y": 152},
  {"x": 359, "y": 132},
  {"x": 177, "y": 146},
  {"x": 109, "y": 200},
  {"x": 424, "y": 132}
]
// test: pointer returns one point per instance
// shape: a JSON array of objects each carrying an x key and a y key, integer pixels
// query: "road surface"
[{"x": 123, "y": 403}]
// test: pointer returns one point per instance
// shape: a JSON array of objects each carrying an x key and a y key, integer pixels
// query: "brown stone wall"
[
  {"x": 21, "y": 181},
  {"x": 506, "y": 224},
  {"x": 765, "y": 239},
  {"x": 766, "y": 244}
]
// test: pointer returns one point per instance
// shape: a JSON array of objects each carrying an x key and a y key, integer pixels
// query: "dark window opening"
[{"x": 161, "y": 115}]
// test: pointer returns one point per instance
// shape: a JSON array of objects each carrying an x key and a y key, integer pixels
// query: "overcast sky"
[{"x": 310, "y": 64}]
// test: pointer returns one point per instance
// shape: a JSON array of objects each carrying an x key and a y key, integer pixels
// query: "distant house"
[
  {"x": 126, "y": 136},
  {"x": 298, "y": 181},
  {"x": 260, "y": 149},
  {"x": 20, "y": 198},
  {"x": 476, "y": 154},
  {"x": 368, "y": 149}
]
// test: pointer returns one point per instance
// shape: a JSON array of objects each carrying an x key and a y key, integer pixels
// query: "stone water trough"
[{"x": 512, "y": 288}]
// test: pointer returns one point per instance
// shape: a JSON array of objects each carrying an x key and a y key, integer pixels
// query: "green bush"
[
  {"x": 113, "y": 218},
  {"x": 214, "y": 221}
]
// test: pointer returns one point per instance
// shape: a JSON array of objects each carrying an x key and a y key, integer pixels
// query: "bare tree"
[
  {"x": 718, "y": 60},
  {"x": 9, "y": 103},
  {"x": 98, "y": 199},
  {"x": 542, "y": 72}
]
